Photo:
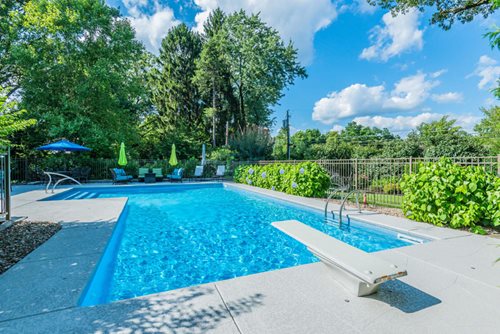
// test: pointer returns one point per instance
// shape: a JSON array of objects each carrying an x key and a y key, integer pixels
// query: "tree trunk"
[{"x": 242, "y": 123}]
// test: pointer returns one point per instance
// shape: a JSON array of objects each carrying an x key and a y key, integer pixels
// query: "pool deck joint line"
[{"x": 452, "y": 284}]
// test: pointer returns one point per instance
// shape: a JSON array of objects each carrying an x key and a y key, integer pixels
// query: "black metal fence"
[
  {"x": 31, "y": 170},
  {"x": 377, "y": 179}
]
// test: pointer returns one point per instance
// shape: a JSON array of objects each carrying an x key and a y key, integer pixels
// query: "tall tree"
[
  {"x": 174, "y": 95},
  {"x": 213, "y": 76},
  {"x": 177, "y": 99},
  {"x": 261, "y": 67},
  {"x": 446, "y": 11},
  {"x": 78, "y": 73},
  {"x": 489, "y": 129}
]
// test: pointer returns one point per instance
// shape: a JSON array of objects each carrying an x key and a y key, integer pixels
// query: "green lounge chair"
[
  {"x": 158, "y": 174},
  {"x": 176, "y": 175},
  {"x": 142, "y": 173},
  {"x": 119, "y": 176}
]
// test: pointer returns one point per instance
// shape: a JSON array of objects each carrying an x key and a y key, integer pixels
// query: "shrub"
[
  {"x": 444, "y": 193},
  {"x": 386, "y": 185},
  {"x": 304, "y": 179}
]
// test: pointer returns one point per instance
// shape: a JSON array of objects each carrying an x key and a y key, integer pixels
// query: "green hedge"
[
  {"x": 306, "y": 179},
  {"x": 446, "y": 194}
]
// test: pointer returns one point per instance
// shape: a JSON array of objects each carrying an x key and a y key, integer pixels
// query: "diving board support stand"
[{"x": 359, "y": 272}]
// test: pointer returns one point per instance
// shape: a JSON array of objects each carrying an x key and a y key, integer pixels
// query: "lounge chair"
[
  {"x": 221, "y": 170},
  {"x": 198, "y": 172},
  {"x": 142, "y": 173},
  {"x": 158, "y": 174},
  {"x": 119, "y": 176},
  {"x": 85, "y": 174},
  {"x": 358, "y": 271},
  {"x": 176, "y": 175}
]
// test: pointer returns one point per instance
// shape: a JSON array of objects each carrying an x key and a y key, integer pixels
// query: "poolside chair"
[
  {"x": 359, "y": 272},
  {"x": 119, "y": 176},
  {"x": 142, "y": 173},
  {"x": 221, "y": 170},
  {"x": 198, "y": 172},
  {"x": 158, "y": 174},
  {"x": 85, "y": 174},
  {"x": 176, "y": 175}
]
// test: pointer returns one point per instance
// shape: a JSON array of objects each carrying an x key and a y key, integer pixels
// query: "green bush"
[
  {"x": 386, "y": 185},
  {"x": 444, "y": 193},
  {"x": 392, "y": 188},
  {"x": 304, "y": 179}
]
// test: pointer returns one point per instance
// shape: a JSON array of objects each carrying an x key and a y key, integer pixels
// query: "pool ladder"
[{"x": 342, "y": 206}]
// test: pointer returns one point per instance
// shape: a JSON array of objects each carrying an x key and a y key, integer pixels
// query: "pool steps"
[{"x": 80, "y": 195}]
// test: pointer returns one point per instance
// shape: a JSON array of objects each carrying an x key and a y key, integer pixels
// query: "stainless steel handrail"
[
  {"x": 357, "y": 192},
  {"x": 64, "y": 177},
  {"x": 328, "y": 200}
]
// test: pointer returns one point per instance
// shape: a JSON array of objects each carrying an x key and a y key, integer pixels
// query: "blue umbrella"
[{"x": 63, "y": 145}]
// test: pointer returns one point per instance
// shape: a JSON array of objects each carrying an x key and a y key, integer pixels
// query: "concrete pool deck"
[{"x": 453, "y": 285}]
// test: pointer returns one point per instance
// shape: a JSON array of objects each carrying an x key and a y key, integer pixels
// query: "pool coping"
[{"x": 60, "y": 262}]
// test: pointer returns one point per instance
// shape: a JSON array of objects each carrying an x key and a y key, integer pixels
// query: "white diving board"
[{"x": 358, "y": 271}]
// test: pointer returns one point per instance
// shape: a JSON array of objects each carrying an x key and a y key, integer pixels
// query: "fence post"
[
  {"x": 411, "y": 164},
  {"x": 356, "y": 173}
]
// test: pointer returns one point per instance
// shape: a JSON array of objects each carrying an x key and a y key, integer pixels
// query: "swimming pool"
[{"x": 170, "y": 237}]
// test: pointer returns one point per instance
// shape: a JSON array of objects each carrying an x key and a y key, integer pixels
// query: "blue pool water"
[{"x": 179, "y": 236}]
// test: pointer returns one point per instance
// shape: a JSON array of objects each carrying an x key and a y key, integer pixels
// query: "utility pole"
[{"x": 286, "y": 125}]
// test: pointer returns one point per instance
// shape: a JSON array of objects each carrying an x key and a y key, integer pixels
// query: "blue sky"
[{"x": 363, "y": 64}]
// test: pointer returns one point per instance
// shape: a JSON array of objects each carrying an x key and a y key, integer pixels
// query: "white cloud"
[
  {"x": 337, "y": 128},
  {"x": 407, "y": 123},
  {"x": 363, "y": 7},
  {"x": 150, "y": 29},
  {"x": 399, "y": 34},
  {"x": 448, "y": 97},
  {"x": 353, "y": 100},
  {"x": 489, "y": 71},
  {"x": 295, "y": 20},
  {"x": 398, "y": 123},
  {"x": 360, "y": 99},
  {"x": 410, "y": 92},
  {"x": 439, "y": 73}
]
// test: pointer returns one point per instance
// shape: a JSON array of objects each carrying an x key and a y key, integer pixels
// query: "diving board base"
[{"x": 349, "y": 282}]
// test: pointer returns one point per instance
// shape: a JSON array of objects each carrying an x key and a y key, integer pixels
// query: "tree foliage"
[
  {"x": 443, "y": 138},
  {"x": 440, "y": 138},
  {"x": 213, "y": 78},
  {"x": 489, "y": 130},
  {"x": 12, "y": 119},
  {"x": 444, "y": 13},
  {"x": 253, "y": 143},
  {"x": 78, "y": 70},
  {"x": 261, "y": 66}
]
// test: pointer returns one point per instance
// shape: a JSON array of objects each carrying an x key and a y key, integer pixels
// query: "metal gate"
[{"x": 5, "y": 184}]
